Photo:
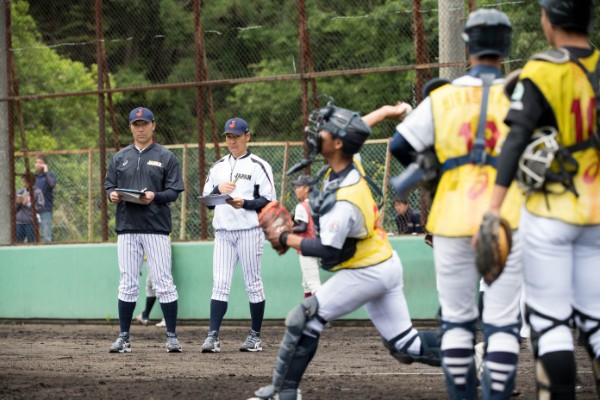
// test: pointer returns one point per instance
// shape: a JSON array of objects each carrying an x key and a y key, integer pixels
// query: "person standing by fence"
[
  {"x": 25, "y": 226},
  {"x": 45, "y": 180}
]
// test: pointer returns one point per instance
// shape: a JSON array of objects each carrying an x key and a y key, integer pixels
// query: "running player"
[
  {"x": 248, "y": 179},
  {"x": 462, "y": 121},
  {"x": 553, "y": 115},
  {"x": 144, "y": 228}
]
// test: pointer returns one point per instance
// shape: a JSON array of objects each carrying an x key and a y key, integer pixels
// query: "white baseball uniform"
[{"x": 238, "y": 236}]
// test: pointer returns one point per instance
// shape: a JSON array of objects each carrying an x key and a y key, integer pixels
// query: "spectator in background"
[
  {"x": 25, "y": 227},
  {"x": 407, "y": 220},
  {"x": 45, "y": 180}
]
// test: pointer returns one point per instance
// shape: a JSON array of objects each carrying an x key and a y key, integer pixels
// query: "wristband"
[{"x": 283, "y": 239}]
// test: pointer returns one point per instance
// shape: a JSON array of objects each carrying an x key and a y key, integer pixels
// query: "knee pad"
[{"x": 297, "y": 317}]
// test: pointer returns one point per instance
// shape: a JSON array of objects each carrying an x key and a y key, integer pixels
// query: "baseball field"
[{"x": 54, "y": 360}]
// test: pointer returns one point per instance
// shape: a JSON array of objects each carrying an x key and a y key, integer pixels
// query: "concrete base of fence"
[{"x": 80, "y": 282}]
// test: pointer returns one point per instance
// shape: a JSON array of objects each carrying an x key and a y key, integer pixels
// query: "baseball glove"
[
  {"x": 494, "y": 242},
  {"x": 275, "y": 220}
]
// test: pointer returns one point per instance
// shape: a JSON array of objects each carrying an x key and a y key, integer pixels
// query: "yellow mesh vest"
[
  {"x": 374, "y": 247},
  {"x": 571, "y": 97},
  {"x": 464, "y": 193}
]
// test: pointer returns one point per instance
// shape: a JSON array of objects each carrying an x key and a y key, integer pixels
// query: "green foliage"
[
  {"x": 152, "y": 42},
  {"x": 58, "y": 123}
]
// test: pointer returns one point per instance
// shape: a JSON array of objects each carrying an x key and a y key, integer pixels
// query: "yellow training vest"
[
  {"x": 571, "y": 97},
  {"x": 464, "y": 192},
  {"x": 374, "y": 247}
]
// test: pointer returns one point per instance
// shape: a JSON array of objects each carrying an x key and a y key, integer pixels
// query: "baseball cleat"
[
  {"x": 140, "y": 318},
  {"x": 212, "y": 343},
  {"x": 162, "y": 323},
  {"x": 121, "y": 345},
  {"x": 173, "y": 345},
  {"x": 252, "y": 342}
]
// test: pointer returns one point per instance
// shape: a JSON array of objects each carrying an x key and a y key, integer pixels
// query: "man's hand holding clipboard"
[{"x": 143, "y": 196}]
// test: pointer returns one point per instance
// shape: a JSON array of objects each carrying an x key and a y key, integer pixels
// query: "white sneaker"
[
  {"x": 161, "y": 323},
  {"x": 140, "y": 318}
]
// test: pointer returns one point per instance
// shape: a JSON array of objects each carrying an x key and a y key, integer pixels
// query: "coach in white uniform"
[{"x": 248, "y": 179}]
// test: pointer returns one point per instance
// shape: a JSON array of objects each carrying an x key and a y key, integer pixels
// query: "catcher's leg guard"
[
  {"x": 500, "y": 367},
  {"x": 459, "y": 364},
  {"x": 487, "y": 385},
  {"x": 295, "y": 352},
  {"x": 555, "y": 372},
  {"x": 555, "y": 376},
  {"x": 429, "y": 352},
  {"x": 589, "y": 326}
]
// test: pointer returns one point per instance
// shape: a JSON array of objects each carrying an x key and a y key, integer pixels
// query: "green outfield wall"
[{"x": 81, "y": 281}]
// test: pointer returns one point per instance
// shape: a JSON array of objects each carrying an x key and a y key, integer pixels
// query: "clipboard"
[
  {"x": 214, "y": 199},
  {"x": 131, "y": 195}
]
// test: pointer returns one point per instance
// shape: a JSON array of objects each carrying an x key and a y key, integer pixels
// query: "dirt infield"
[{"x": 66, "y": 361}]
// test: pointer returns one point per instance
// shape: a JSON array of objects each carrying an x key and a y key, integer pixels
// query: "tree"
[{"x": 66, "y": 123}]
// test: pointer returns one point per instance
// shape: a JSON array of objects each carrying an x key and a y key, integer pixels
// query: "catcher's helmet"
[
  {"x": 571, "y": 15},
  {"x": 340, "y": 122},
  {"x": 544, "y": 161},
  {"x": 487, "y": 33}
]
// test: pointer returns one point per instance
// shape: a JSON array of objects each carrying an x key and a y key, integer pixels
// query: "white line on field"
[{"x": 378, "y": 373}]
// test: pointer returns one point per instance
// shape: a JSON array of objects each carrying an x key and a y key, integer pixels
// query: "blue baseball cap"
[
  {"x": 141, "y": 113},
  {"x": 236, "y": 126}
]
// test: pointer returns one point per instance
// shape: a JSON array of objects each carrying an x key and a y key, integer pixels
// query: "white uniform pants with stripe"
[
  {"x": 562, "y": 272},
  {"x": 245, "y": 246},
  {"x": 457, "y": 281},
  {"x": 131, "y": 248},
  {"x": 380, "y": 288}
]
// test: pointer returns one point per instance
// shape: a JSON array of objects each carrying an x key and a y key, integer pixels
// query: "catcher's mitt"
[
  {"x": 494, "y": 242},
  {"x": 274, "y": 219}
]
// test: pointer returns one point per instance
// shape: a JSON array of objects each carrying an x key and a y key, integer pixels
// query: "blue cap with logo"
[
  {"x": 141, "y": 113},
  {"x": 236, "y": 126}
]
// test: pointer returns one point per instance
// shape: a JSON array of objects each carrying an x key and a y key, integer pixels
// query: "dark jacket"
[
  {"x": 155, "y": 169},
  {"x": 409, "y": 223}
]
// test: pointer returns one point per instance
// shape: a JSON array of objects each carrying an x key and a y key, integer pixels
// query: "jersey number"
[
  {"x": 578, "y": 111},
  {"x": 490, "y": 142}
]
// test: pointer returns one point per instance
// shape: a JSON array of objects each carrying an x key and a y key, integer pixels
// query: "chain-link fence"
[
  {"x": 78, "y": 193},
  {"x": 77, "y": 67}
]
